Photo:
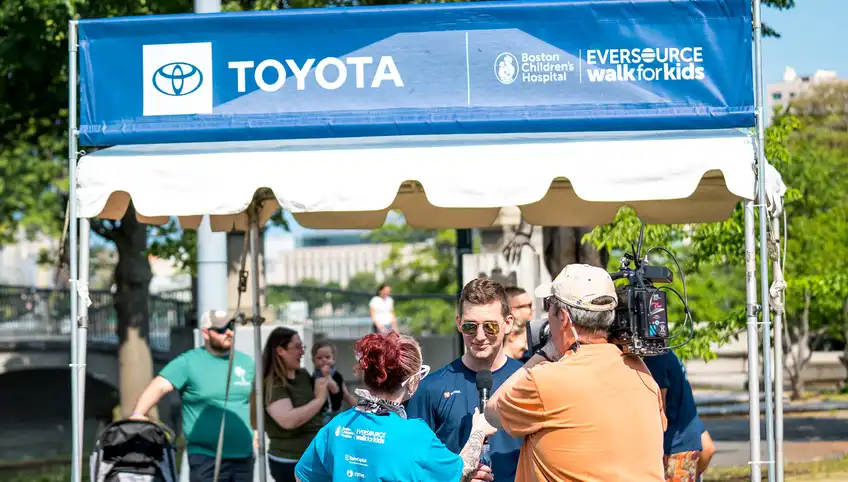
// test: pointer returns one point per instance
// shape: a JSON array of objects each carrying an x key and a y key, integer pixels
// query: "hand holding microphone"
[{"x": 484, "y": 388}]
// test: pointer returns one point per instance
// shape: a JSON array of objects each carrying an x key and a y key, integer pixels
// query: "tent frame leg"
[
  {"x": 253, "y": 216},
  {"x": 82, "y": 347},
  {"x": 778, "y": 360},
  {"x": 763, "y": 232},
  {"x": 77, "y": 404},
  {"x": 751, "y": 310}
]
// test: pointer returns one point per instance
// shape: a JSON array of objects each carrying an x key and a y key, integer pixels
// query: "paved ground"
[{"x": 805, "y": 439}]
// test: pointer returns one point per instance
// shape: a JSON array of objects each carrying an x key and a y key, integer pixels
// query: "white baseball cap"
[
  {"x": 579, "y": 285},
  {"x": 214, "y": 319}
]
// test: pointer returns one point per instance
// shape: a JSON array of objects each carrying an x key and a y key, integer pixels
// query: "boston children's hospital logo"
[
  {"x": 532, "y": 68},
  {"x": 506, "y": 68}
]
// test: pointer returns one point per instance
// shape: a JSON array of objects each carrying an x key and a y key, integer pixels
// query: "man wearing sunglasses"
[
  {"x": 200, "y": 377},
  {"x": 446, "y": 399},
  {"x": 587, "y": 411}
]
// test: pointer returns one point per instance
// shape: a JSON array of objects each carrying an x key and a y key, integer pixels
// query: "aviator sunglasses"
[{"x": 491, "y": 328}]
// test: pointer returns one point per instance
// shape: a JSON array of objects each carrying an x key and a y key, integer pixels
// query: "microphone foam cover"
[{"x": 484, "y": 380}]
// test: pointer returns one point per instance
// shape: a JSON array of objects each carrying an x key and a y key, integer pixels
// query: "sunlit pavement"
[{"x": 805, "y": 439}]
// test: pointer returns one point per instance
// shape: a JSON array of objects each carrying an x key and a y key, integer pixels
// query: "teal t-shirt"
[
  {"x": 201, "y": 377},
  {"x": 357, "y": 446}
]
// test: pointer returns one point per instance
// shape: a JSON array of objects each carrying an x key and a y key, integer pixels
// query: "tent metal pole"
[
  {"x": 82, "y": 347},
  {"x": 778, "y": 360},
  {"x": 764, "y": 217},
  {"x": 751, "y": 309},
  {"x": 76, "y": 425},
  {"x": 253, "y": 215},
  {"x": 212, "y": 267}
]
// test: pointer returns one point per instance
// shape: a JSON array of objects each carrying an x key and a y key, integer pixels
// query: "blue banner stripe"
[{"x": 493, "y": 67}]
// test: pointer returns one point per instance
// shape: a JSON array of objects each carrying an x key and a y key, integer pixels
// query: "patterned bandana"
[{"x": 371, "y": 404}]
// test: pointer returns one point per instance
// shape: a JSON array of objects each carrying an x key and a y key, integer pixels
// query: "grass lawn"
[{"x": 823, "y": 471}]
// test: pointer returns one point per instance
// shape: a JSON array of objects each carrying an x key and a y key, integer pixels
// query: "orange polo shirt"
[{"x": 594, "y": 416}]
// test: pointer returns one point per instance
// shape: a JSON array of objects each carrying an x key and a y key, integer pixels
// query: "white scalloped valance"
[{"x": 436, "y": 181}]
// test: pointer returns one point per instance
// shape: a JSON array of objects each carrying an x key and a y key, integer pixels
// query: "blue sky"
[{"x": 812, "y": 38}]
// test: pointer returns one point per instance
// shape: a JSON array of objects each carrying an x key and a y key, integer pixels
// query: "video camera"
[{"x": 640, "y": 326}]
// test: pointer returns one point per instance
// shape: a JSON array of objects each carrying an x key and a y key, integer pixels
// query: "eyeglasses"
[
  {"x": 422, "y": 372},
  {"x": 224, "y": 329},
  {"x": 491, "y": 328}
]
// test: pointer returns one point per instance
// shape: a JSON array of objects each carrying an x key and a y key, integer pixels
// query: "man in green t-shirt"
[{"x": 200, "y": 377}]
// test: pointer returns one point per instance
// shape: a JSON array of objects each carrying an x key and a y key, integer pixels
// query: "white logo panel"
[{"x": 177, "y": 79}]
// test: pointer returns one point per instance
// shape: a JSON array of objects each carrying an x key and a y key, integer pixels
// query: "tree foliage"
[
  {"x": 364, "y": 281},
  {"x": 809, "y": 150},
  {"x": 779, "y": 5},
  {"x": 421, "y": 262},
  {"x": 817, "y": 265}
]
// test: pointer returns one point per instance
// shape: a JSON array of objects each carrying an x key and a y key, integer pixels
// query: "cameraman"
[{"x": 587, "y": 412}]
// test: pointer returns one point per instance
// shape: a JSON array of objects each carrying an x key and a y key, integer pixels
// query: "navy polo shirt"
[
  {"x": 684, "y": 426},
  {"x": 446, "y": 400}
]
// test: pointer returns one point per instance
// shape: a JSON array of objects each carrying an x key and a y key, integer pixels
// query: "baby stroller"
[{"x": 134, "y": 451}]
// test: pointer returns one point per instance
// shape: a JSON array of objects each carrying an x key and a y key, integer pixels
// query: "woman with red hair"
[{"x": 375, "y": 440}]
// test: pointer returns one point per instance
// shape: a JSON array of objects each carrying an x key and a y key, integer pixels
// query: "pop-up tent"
[{"x": 567, "y": 109}]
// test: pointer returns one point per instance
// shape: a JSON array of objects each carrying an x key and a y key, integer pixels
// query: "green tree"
[
  {"x": 364, "y": 281},
  {"x": 779, "y": 5},
  {"x": 810, "y": 151},
  {"x": 425, "y": 268},
  {"x": 712, "y": 257},
  {"x": 33, "y": 152},
  {"x": 817, "y": 262}
]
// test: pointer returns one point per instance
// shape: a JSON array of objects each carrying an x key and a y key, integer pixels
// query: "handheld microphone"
[{"x": 484, "y": 386}]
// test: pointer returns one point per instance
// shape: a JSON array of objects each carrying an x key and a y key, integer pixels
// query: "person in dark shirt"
[
  {"x": 682, "y": 441},
  {"x": 446, "y": 399},
  {"x": 324, "y": 363},
  {"x": 293, "y": 402}
]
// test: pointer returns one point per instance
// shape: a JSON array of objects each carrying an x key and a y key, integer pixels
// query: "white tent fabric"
[{"x": 436, "y": 181}]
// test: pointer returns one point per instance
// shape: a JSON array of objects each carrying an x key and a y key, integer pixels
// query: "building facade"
[
  {"x": 327, "y": 258},
  {"x": 794, "y": 86}
]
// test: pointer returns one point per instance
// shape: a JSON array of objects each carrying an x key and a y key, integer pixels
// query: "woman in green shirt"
[{"x": 293, "y": 402}]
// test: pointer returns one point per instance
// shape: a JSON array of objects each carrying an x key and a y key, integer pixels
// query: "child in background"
[{"x": 324, "y": 360}]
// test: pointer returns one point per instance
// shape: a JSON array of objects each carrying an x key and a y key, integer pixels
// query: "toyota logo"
[{"x": 177, "y": 79}]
